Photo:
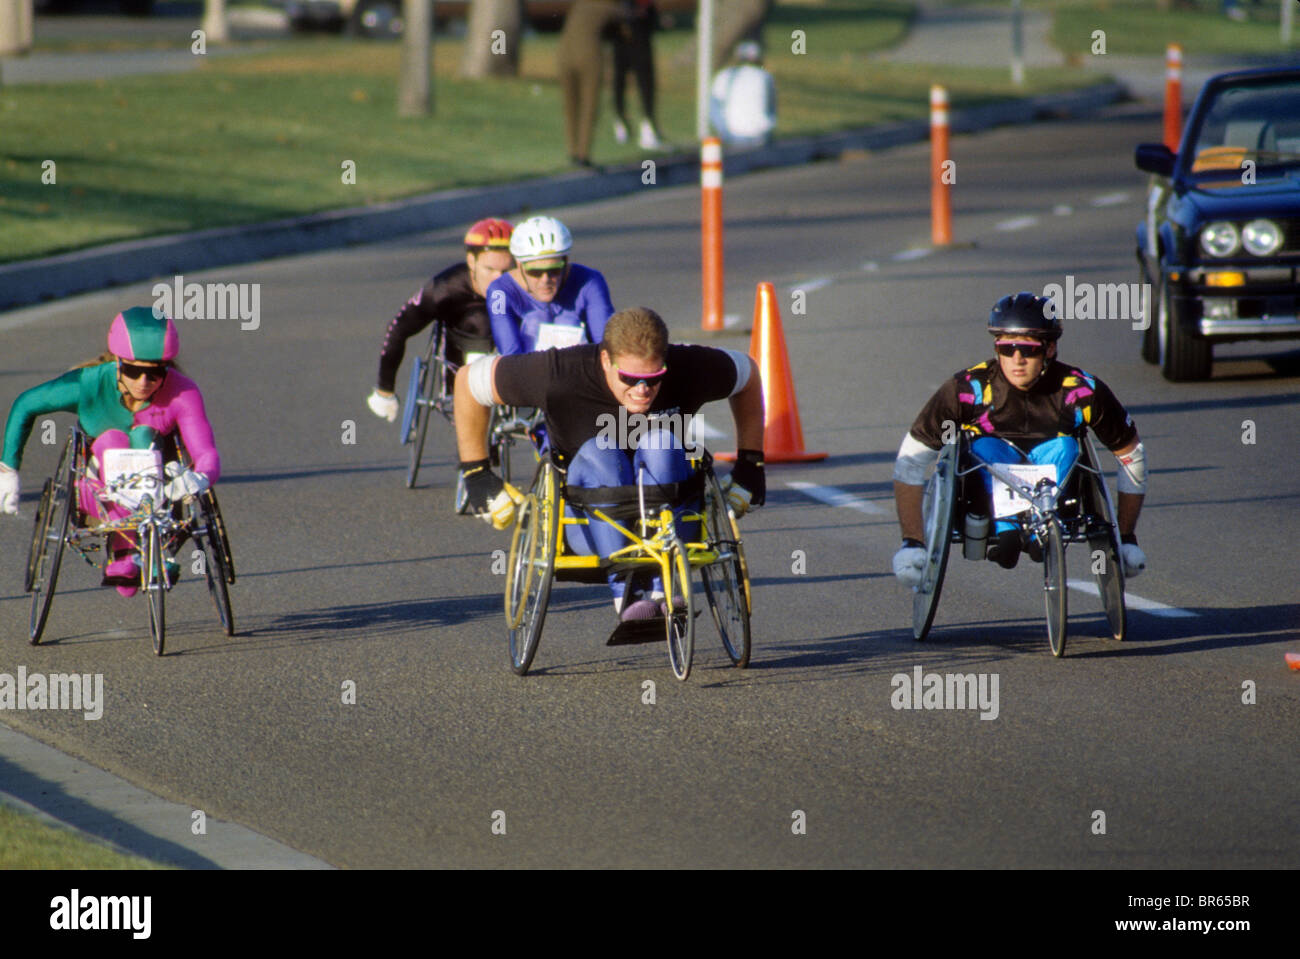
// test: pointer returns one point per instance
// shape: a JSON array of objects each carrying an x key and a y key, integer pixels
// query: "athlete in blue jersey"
[{"x": 545, "y": 300}]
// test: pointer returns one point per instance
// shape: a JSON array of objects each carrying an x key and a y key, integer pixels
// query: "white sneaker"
[
  {"x": 649, "y": 139},
  {"x": 620, "y": 131}
]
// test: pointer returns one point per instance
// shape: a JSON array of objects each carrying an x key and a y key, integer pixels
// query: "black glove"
[
  {"x": 748, "y": 475},
  {"x": 482, "y": 486}
]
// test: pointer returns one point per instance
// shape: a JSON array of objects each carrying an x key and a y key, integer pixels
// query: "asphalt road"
[{"x": 345, "y": 575}]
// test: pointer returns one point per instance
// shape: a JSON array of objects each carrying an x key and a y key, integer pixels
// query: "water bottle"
[{"x": 977, "y": 534}]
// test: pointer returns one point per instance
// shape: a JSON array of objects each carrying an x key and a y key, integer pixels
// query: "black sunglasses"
[
  {"x": 133, "y": 372},
  {"x": 545, "y": 271},
  {"x": 1029, "y": 351},
  {"x": 649, "y": 379}
]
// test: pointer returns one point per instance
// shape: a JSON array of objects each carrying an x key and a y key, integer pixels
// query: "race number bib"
[
  {"x": 558, "y": 336},
  {"x": 1006, "y": 501},
  {"x": 130, "y": 475}
]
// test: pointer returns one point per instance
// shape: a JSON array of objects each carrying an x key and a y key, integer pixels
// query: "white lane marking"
[
  {"x": 1134, "y": 602},
  {"x": 816, "y": 283},
  {"x": 1062, "y": 209},
  {"x": 913, "y": 254},
  {"x": 1016, "y": 223},
  {"x": 834, "y": 496},
  {"x": 871, "y": 266},
  {"x": 1111, "y": 199}
]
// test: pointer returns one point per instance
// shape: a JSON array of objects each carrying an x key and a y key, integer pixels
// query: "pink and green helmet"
[{"x": 137, "y": 334}]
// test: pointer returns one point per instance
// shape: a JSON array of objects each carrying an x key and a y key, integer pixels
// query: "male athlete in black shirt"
[
  {"x": 608, "y": 407},
  {"x": 1024, "y": 405},
  {"x": 456, "y": 297}
]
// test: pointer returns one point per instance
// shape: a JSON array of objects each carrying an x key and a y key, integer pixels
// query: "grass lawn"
[
  {"x": 266, "y": 135},
  {"x": 1138, "y": 26},
  {"x": 27, "y": 843}
]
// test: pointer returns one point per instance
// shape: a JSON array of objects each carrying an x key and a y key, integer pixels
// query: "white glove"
[
  {"x": 8, "y": 490},
  {"x": 385, "y": 407},
  {"x": 1134, "y": 559},
  {"x": 187, "y": 483},
  {"x": 909, "y": 565}
]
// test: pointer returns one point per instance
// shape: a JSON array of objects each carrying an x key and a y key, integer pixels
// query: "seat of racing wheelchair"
[{"x": 623, "y": 504}]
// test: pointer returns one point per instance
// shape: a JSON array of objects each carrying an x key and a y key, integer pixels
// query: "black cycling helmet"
[{"x": 1025, "y": 313}]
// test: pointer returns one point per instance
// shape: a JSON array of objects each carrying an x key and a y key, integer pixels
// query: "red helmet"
[{"x": 488, "y": 234}]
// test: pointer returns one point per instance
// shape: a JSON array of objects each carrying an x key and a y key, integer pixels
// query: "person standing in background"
[
  {"x": 580, "y": 60},
  {"x": 634, "y": 53}
]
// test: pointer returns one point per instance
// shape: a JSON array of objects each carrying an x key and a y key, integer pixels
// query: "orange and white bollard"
[
  {"x": 1173, "y": 96},
  {"x": 711, "y": 231},
  {"x": 940, "y": 200}
]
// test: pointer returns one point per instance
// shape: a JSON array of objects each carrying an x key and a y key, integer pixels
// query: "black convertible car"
[{"x": 1220, "y": 245}]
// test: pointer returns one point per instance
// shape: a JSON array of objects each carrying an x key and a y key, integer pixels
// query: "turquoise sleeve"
[{"x": 61, "y": 394}]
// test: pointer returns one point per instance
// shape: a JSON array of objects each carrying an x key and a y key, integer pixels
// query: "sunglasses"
[
  {"x": 554, "y": 271},
  {"x": 133, "y": 372},
  {"x": 1031, "y": 350},
  {"x": 649, "y": 379}
]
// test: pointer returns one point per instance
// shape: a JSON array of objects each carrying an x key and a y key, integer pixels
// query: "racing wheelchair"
[
  {"x": 158, "y": 527},
  {"x": 430, "y": 389},
  {"x": 644, "y": 515},
  {"x": 1051, "y": 515}
]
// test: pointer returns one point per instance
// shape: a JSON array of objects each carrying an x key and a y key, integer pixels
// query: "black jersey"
[
  {"x": 569, "y": 387},
  {"x": 448, "y": 297},
  {"x": 1064, "y": 402}
]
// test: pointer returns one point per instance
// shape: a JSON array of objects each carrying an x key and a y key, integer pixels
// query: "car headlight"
[
  {"x": 1261, "y": 237},
  {"x": 1220, "y": 238}
]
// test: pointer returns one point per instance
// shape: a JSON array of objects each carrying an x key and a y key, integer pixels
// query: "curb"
[
  {"x": 69, "y": 793},
  {"x": 32, "y": 281}
]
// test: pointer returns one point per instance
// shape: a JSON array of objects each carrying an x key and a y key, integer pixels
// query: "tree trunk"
[
  {"x": 414, "y": 93},
  {"x": 492, "y": 39}
]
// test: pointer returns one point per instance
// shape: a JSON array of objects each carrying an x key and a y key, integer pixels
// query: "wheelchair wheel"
[
  {"x": 418, "y": 394},
  {"x": 531, "y": 569},
  {"x": 40, "y": 530},
  {"x": 726, "y": 582},
  {"x": 1054, "y": 589},
  {"x": 153, "y": 567},
  {"x": 938, "y": 514},
  {"x": 1103, "y": 536},
  {"x": 215, "y": 557},
  {"x": 53, "y": 519},
  {"x": 679, "y": 624}
]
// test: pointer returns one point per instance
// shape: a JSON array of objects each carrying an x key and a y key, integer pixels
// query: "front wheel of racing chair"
[
  {"x": 679, "y": 623},
  {"x": 1055, "y": 595}
]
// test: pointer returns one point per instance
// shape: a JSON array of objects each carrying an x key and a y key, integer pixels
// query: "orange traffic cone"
[{"x": 782, "y": 434}]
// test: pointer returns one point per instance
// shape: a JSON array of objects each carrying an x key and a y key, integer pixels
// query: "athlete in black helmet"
[{"x": 1024, "y": 405}]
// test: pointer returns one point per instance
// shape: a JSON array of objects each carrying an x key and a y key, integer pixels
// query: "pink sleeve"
[{"x": 196, "y": 431}]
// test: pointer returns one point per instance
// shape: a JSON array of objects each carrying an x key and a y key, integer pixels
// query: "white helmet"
[{"x": 540, "y": 237}]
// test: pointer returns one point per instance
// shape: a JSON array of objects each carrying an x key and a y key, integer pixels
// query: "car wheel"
[
  {"x": 379, "y": 19},
  {"x": 1183, "y": 357}
]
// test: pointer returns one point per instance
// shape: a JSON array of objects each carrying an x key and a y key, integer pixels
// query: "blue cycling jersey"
[{"x": 517, "y": 317}]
